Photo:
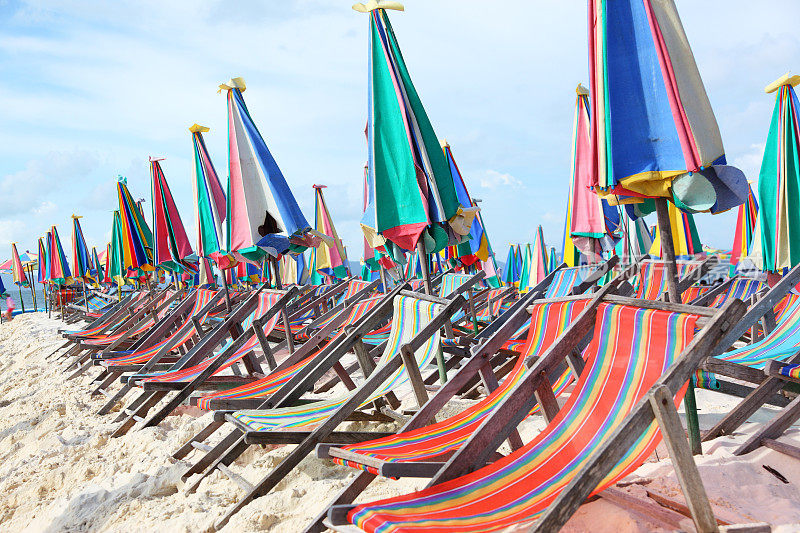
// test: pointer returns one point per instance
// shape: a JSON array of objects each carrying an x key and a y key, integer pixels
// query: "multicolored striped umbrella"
[
  {"x": 778, "y": 183},
  {"x": 172, "y": 246},
  {"x": 685, "y": 238},
  {"x": 115, "y": 270},
  {"x": 653, "y": 131},
  {"x": 44, "y": 268},
  {"x": 534, "y": 263},
  {"x": 513, "y": 268},
  {"x": 476, "y": 248},
  {"x": 414, "y": 193},
  {"x": 745, "y": 228},
  {"x": 636, "y": 239},
  {"x": 293, "y": 269},
  {"x": 97, "y": 266},
  {"x": 59, "y": 267},
  {"x": 263, "y": 217},
  {"x": 210, "y": 198},
  {"x": 81, "y": 260},
  {"x": 18, "y": 273},
  {"x": 591, "y": 220},
  {"x": 136, "y": 237},
  {"x": 330, "y": 257},
  {"x": 376, "y": 249},
  {"x": 107, "y": 269}
]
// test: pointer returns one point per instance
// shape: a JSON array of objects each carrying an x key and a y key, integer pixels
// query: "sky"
[{"x": 91, "y": 89}]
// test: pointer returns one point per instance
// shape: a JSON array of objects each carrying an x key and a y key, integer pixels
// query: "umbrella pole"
[
  {"x": 426, "y": 275},
  {"x": 85, "y": 299},
  {"x": 33, "y": 289},
  {"x": 227, "y": 293},
  {"x": 284, "y": 313},
  {"x": 21, "y": 303},
  {"x": 668, "y": 255},
  {"x": 383, "y": 278}
]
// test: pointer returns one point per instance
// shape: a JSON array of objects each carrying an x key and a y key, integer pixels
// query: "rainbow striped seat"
[
  {"x": 410, "y": 316},
  {"x": 564, "y": 280},
  {"x": 493, "y": 306},
  {"x": 143, "y": 326},
  {"x": 134, "y": 304},
  {"x": 741, "y": 288},
  {"x": 271, "y": 383},
  {"x": 265, "y": 302},
  {"x": 652, "y": 279},
  {"x": 782, "y": 342},
  {"x": 630, "y": 350},
  {"x": 548, "y": 321},
  {"x": 451, "y": 283},
  {"x": 177, "y": 339},
  {"x": 694, "y": 292}
]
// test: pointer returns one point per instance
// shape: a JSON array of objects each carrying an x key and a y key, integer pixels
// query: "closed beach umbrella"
[
  {"x": 476, "y": 248},
  {"x": 171, "y": 245},
  {"x": 328, "y": 258},
  {"x": 210, "y": 198},
  {"x": 43, "y": 270},
  {"x": 592, "y": 220},
  {"x": 653, "y": 131},
  {"x": 135, "y": 235},
  {"x": 745, "y": 226},
  {"x": 779, "y": 183},
  {"x": 17, "y": 271},
  {"x": 414, "y": 193},
  {"x": 81, "y": 260},
  {"x": 263, "y": 217},
  {"x": 59, "y": 268}
]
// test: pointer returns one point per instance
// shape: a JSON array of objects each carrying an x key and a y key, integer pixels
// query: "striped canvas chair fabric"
[
  {"x": 177, "y": 339},
  {"x": 653, "y": 278},
  {"x": 265, "y": 302},
  {"x": 782, "y": 342},
  {"x": 563, "y": 282},
  {"x": 548, "y": 322},
  {"x": 631, "y": 349},
  {"x": 410, "y": 316},
  {"x": 271, "y": 383}
]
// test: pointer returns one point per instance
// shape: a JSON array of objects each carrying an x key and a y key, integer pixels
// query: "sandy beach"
[{"x": 60, "y": 470}]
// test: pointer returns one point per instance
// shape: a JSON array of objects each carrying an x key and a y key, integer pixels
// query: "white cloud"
[
  {"x": 44, "y": 208},
  {"x": 493, "y": 179}
]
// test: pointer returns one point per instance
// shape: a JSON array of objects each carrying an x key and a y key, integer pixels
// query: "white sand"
[{"x": 60, "y": 471}]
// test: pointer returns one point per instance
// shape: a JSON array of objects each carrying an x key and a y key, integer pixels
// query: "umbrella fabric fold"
[
  {"x": 59, "y": 268},
  {"x": 745, "y": 226},
  {"x": 43, "y": 270},
  {"x": 263, "y": 217},
  {"x": 411, "y": 182},
  {"x": 210, "y": 199},
  {"x": 685, "y": 239},
  {"x": 329, "y": 257},
  {"x": 171, "y": 245},
  {"x": 653, "y": 131},
  {"x": 779, "y": 183},
  {"x": 136, "y": 238},
  {"x": 18, "y": 273},
  {"x": 81, "y": 260}
]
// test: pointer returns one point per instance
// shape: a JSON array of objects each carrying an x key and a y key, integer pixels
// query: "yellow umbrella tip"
[
  {"x": 444, "y": 143},
  {"x": 378, "y": 4},
  {"x": 786, "y": 79},
  {"x": 580, "y": 90},
  {"x": 197, "y": 128},
  {"x": 233, "y": 83}
]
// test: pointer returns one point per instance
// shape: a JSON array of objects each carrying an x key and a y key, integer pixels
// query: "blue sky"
[{"x": 91, "y": 89}]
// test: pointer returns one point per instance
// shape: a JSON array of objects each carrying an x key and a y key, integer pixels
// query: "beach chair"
[
  {"x": 638, "y": 362},
  {"x": 746, "y": 363},
  {"x": 125, "y": 334},
  {"x": 145, "y": 359},
  {"x": 652, "y": 277},
  {"x": 253, "y": 395},
  {"x": 414, "y": 449},
  {"x": 413, "y": 345},
  {"x": 248, "y": 326}
]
